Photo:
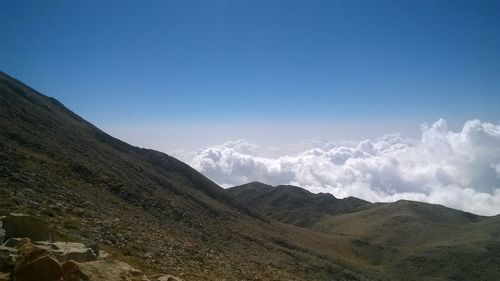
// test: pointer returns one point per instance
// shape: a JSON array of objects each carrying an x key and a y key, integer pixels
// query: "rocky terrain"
[
  {"x": 28, "y": 254},
  {"x": 102, "y": 206},
  {"x": 143, "y": 207}
]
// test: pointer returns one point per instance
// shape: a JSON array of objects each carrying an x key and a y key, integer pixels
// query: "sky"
[{"x": 283, "y": 79}]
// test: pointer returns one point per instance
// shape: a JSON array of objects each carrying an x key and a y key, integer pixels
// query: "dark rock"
[
  {"x": 2, "y": 232},
  {"x": 73, "y": 272},
  {"x": 13, "y": 242},
  {"x": 21, "y": 225},
  {"x": 95, "y": 247},
  {"x": 35, "y": 263}
]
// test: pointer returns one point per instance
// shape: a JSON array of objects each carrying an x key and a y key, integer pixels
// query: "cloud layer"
[{"x": 456, "y": 169}]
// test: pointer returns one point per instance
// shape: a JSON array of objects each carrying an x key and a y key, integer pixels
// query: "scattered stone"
[
  {"x": 21, "y": 225},
  {"x": 168, "y": 278},
  {"x": 35, "y": 263},
  {"x": 109, "y": 270},
  {"x": 103, "y": 255},
  {"x": 95, "y": 247}
]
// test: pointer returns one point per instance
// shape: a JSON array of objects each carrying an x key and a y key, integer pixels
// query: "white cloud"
[{"x": 456, "y": 169}]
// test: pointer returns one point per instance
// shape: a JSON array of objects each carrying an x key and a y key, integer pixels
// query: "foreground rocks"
[
  {"x": 22, "y": 259},
  {"x": 36, "y": 263}
]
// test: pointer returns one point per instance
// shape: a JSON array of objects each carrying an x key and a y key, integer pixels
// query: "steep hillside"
[
  {"x": 143, "y": 206},
  {"x": 292, "y": 204},
  {"x": 405, "y": 240}
]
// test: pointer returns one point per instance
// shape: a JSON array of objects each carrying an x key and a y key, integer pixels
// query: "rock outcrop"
[
  {"x": 22, "y": 259},
  {"x": 30, "y": 261}
]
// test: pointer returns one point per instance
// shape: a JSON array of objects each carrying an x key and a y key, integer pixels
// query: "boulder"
[
  {"x": 21, "y": 225},
  {"x": 35, "y": 263}
]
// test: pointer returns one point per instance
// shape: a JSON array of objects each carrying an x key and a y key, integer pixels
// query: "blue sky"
[
  {"x": 284, "y": 92},
  {"x": 337, "y": 69}
]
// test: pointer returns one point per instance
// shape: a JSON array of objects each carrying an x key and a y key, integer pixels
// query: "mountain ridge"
[
  {"x": 285, "y": 202},
  {"x": 407, "y": 238},
  {"x": 161, "y": 216}
]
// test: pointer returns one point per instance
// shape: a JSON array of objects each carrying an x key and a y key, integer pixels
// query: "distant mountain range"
[{"x": 162, "y": 216}]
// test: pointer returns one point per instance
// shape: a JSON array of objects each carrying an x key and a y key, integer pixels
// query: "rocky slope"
[
  {"x": 28, "y": 254},
  {"x": 142, "y": 206}
]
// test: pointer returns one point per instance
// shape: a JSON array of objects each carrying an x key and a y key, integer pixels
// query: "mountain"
[
  {"x": 405, "y": 240},
  {"x": 142, "y": 206},
  {"x": 417, "y": 239},
  {"x": 159, "y": 215},
  {"x": 292, "y": 204}
]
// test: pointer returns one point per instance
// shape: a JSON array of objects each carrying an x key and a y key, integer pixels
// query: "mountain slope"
[
  {"x": 143, "y": 206},
  {"x": 422, "y": 240},
  {"x": 406, "y": 240},
  {"x": 292, "y": 204},
  {"x": 162, "y": 216}
]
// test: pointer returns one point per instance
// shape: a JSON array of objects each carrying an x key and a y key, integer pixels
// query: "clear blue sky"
[{"x": 259, "y": 61}]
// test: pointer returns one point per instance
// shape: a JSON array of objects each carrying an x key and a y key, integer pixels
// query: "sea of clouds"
[{"x": 456, "y": 169}]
